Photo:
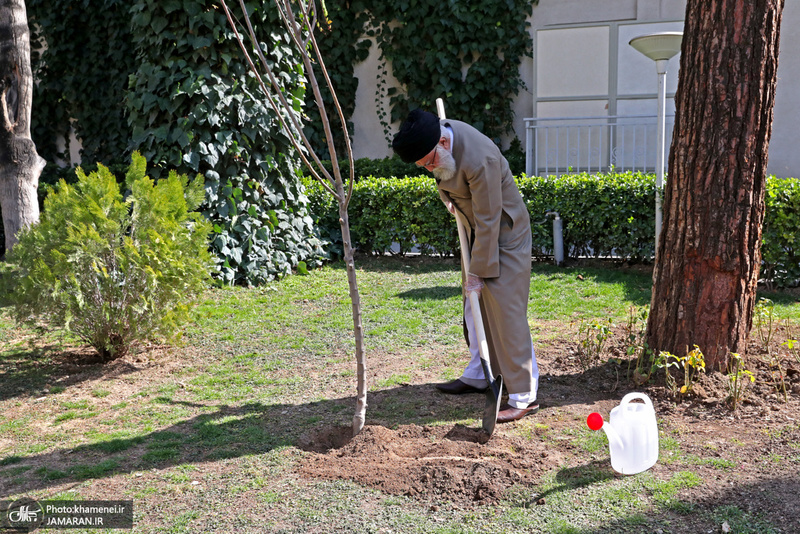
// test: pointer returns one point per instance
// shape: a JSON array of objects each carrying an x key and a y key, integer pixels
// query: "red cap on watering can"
[{"x": 594, "y": 421}]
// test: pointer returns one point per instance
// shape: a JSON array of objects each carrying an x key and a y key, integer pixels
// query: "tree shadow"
[
  {"x": 431, "y": 293},
  {"x": 415, "y": 264},
  {"x": 42, "y": 370},
  {"x": 226, "y": 431},
  {"x": 636, "y": 284}
]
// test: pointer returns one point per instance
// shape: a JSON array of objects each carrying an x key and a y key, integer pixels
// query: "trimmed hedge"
[
  {"x": 780, "y": 254},
  {"x": 603, "y": 215}
]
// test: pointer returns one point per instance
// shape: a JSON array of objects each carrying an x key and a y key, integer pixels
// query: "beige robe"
[{"x": 484, "y": 191}]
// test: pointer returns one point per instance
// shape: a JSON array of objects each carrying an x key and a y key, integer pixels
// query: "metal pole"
[{"x": 661, "y": 67}]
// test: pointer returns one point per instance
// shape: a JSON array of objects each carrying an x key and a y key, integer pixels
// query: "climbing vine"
[
  {"x": 194, "y": 107},
  {"x": 466, "y": 52},
  {"x": 81, "y": 58}
]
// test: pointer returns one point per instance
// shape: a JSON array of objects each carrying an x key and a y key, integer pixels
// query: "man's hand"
[
  {"x": 474, "y": 283},
  {"x": 450, "y": 208}
]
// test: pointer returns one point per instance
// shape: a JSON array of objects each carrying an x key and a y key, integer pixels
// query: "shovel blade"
[{"x": 492, "y": 407}]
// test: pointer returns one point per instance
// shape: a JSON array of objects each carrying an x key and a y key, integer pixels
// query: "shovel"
[{"x": 495, "y": 388}]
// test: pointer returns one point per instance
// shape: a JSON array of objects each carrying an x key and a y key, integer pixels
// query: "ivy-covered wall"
[
  {"x": 163, "y": 77},
  {"x": 81, "y": 56},
  {"x": 194, "y": 107},
  {"x": 467, "y": 52}
]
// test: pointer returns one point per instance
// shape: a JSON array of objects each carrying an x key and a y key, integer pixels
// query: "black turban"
[{"x": 418, "y": 135}]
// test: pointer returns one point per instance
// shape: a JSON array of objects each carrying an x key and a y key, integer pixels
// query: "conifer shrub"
[{"x": 113, "y": 269}]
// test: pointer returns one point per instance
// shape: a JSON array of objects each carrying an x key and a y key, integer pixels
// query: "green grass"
[{"x": 257, "y": 371}]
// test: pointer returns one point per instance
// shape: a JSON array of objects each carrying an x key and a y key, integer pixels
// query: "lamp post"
[{"x": 660, "y": 47}]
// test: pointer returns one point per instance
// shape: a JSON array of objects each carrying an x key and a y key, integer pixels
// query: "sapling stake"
[{"x": 300, "y": 24}]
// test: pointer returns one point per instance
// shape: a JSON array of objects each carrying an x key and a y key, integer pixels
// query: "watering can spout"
[
  {"x": 613, "y": 437},
  {"x": 595, "y": 422}
]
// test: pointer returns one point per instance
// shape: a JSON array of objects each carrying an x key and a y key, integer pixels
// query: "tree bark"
[
  {"x": 20, "y": 164},
  {"x": 708, "y": 259}
]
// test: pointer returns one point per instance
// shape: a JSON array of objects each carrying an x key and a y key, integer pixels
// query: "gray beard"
[{"x": 447, "y": 165}]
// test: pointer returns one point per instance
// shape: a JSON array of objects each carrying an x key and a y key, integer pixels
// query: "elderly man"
[{"x": 473, "y": 177}]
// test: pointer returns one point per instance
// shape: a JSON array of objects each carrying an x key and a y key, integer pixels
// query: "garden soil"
[{"x": 461, "y": 466}]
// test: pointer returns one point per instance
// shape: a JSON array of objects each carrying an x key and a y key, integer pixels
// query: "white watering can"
[{"x": 632, "y": 434}]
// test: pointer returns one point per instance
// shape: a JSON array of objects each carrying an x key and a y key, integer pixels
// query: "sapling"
[
  {"x": 301, "y": 20},
  {"x": 665, "y": 360},
  {"x": 793, "y": 345},
  {"x": 766, "y": 322},
  {"x": 635, "y": 329},
  {"x": 593, "y": 336}
]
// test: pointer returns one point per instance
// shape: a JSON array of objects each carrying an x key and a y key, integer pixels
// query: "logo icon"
[{"x": 25, "y": 514}]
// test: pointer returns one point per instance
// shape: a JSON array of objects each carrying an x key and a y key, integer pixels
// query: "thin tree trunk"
[
  {"x": 301, "y": 29},
  {"x": 20, "y": 164},
  {"x": 358, "y": 330},
  {"x": 707, "y": 265}
]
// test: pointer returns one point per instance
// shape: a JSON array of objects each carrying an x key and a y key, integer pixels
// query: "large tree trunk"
[
  {"x": 20, "y": 164},
  {"x": 707, "y": 264}
]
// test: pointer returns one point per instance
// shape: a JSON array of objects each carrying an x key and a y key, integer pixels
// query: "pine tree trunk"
[
  {"x": 20, "y": 164},
  {"x": 707, "y": 265}
]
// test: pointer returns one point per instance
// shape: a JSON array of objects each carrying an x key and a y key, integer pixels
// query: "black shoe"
[{"x": 457, "y": 387}]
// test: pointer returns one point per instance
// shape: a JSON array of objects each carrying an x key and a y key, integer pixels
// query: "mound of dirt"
[{"x": 456, "y": 464}]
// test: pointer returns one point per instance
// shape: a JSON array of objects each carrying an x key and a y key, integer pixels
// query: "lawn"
[{"x": 227, "y": 431}]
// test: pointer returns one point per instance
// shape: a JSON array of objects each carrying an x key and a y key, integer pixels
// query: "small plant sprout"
[
  {"x": 766, "y": 322},
  {"x": 665, "y": 360},
  {"x": 635, "y": 329},
  {"x": 694, "y": 362},
  {"x": 778, "y": 376},
  {"x": 793, "y": 345},
  {"x": 593, "y": 336},
  {"x": 737, "y": 380}
]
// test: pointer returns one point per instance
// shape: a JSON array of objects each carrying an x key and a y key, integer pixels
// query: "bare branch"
[
  {"x": 339, "y": 110},
  {"x": 291, "y": 22},
  {"x": 296, "y": 127}
]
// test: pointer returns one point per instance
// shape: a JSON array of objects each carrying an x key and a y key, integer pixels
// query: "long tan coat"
[{"x": 484, "y": 191}]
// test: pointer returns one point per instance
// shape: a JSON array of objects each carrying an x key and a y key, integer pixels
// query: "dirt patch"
[
  {"x": 741, "y": 456},
  {"x": 456, "y": 464}
]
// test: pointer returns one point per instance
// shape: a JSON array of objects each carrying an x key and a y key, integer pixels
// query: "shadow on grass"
[
  {"x": 405, "y": 264},
  {"x": 230, "y": 432},
  {"x": 431, "y": 293},
  {"x": 636, "y": 284},
  {"x": 48, "y": 369},
  {"x": 767, "y": 506}
]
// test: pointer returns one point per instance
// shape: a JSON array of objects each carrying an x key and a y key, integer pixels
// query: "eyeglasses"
[{"x": 432, "y": 160}]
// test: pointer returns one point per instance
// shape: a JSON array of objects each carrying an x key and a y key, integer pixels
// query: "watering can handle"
[{"x": 633, "y": 396}]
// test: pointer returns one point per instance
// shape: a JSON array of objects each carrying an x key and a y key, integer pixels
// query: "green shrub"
[
  {"x": 383, "y": 211},
  {"x": 780, "y": 253},
  {"x": 115, "y": 271},
  {"x": 602, "y": 214}
]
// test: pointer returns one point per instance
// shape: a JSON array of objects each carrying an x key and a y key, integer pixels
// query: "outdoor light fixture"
[{"x": 660, "y": 47}]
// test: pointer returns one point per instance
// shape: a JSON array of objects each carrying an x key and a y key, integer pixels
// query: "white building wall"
[{"x": 590, "y": 57}]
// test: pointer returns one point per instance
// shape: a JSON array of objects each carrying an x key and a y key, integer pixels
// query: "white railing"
[{"x": 562, "y": 145}]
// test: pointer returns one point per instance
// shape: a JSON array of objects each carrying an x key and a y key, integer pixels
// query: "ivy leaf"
[{"x": 158, "y": 24}]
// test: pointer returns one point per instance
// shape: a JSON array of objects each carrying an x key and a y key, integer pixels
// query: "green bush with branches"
[
  {"x": 602, "y": 214},
  {"x": 114, "y": 270}
]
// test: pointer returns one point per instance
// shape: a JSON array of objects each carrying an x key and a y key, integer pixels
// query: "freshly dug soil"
[{"x": 460, "y": 465}]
